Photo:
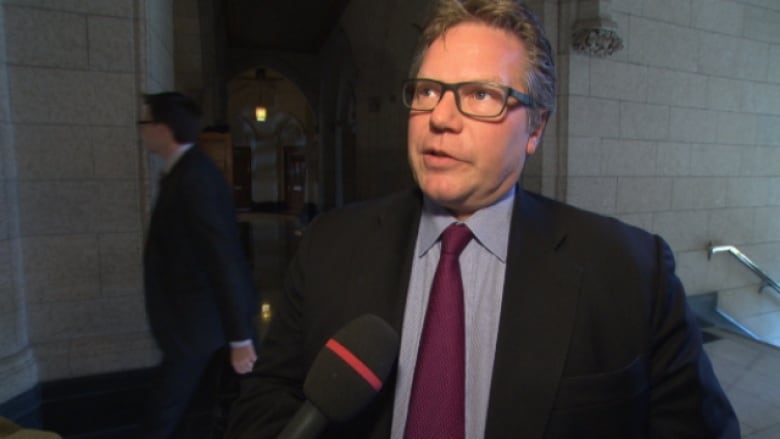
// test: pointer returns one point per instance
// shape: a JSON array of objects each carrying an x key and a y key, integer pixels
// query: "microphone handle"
[{"x": 308, "y": 423}]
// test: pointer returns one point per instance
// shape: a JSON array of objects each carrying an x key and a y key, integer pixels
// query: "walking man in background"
[{"x": 199, "y": 293}]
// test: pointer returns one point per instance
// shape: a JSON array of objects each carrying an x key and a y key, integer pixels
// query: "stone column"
[{"x": 18, "y": 370}]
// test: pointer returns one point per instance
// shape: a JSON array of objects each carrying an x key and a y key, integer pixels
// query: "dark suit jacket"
[
  {"x": 595, "y": 338},
  {"x": 199, "y": 293}
]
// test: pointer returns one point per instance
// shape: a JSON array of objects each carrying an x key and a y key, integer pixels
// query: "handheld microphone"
[{"x": 345, "y": 376}]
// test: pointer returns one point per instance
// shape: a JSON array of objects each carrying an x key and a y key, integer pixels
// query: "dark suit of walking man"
[
  {"x": 199, "y": 293},
  {"x": 575, "y": 324}
]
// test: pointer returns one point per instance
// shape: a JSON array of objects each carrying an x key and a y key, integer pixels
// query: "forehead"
[{"x": 475, "y": 51}]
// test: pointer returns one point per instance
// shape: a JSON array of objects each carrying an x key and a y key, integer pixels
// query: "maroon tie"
[{"x": 436, "y": 405}]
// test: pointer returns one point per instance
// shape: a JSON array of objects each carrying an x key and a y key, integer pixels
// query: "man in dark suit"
[
  {"x": 199, "y": 294},
  {"x": 575, "y": 325}
]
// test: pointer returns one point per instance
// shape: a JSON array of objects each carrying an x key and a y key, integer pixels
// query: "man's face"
[
  {"x": 463, "y": 163},
  {"x": 153, "y": 134}
]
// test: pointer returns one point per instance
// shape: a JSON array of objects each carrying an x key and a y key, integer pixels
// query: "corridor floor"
[{"x": 749, "y": 372}]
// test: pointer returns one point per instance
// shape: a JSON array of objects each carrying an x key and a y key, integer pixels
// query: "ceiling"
[{"x": 281, "y": 25}]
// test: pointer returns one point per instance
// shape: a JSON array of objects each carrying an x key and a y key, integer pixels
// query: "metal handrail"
[{"x": 766, "y": 281}]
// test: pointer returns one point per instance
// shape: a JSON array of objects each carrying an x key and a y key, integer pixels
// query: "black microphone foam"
[{"x": 352, "y": 367}]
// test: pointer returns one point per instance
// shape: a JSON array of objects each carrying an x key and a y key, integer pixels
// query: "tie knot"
[{"x": 454, "y": 239}]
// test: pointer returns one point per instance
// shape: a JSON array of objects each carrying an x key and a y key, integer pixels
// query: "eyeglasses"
[
  {"x": 473, "y": 98},
  {"x": 145, "y": 122}
]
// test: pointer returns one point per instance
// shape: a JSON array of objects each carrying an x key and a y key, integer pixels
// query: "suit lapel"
[
  {"x": 537, "y": 315},
  {"x": 380, "y": 263}
]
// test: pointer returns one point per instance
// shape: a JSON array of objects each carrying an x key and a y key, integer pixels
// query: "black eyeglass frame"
[
  {"x": 145, "y": 122},
  {"x": 522, "y": 98}
]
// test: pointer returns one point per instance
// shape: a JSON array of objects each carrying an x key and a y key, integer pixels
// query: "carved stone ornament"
[
  {"x": 594, "y": 32},
  {"x": 601, "y": 42}
]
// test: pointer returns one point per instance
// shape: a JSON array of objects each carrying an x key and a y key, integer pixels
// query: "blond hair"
[{"x": 514, "y": 17}]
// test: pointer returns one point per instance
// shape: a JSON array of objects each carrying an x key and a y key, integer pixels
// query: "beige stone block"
[
  {"x": 121, "y": 272},
  {"x": 9, "y": 296},
  {"x": 774, "y": 64},
  {"x": 53, "y": 152},
  {"x": 159, "y": 17},
  {"x": 10, "y": 214},
  {"x": 644, "y": 122},
  {"x": 684, "y": 230},
  {"x": 592, "y": 193},
  {"x": 672, "y": 11},
  {"x": 724, "y": 94},
  {"x": 111, "y": 44},
  {"x": 760, "y": 161},
  {"x": 578, "y": 70},
  {"x": 61, "y": 268},
  {"x": 768, "y": 130},
  {"x": 100, "y": 354},
  {"x": 73, "y": 97},
  {"x": 75, "y": 203},
  {"x": 664, "y": 45},
  {"x": 714, "y": 160},
  {"x": 4, "y": 213},
  {"x": 642, "y": 220},
  {"x": 693, "y": 125},
  {"x": 64, "y": 320},
  {"x": 585, "y": 157},
  {"x": 10, "y": 337},
  {"x": 774, "y": 191},
  {"x": 5, "y": 111},
  {"x": 762, "y": 24},
  {"x": 38, "y": 37},
  {"x": 7, "y": 158},
  {"x": 761, "y": 98},
  {"x": 53, "y": 360},
  {"x": 672, "y": 87},
  {"x": 732, "y": 57},
  {"x": 691, "y": 269},
  {"x": 18, "y": 373},
  {"x": 626, "y": 158},
  {"x": 118, "y": 208},
  {"x": 718, "y": 16},
  {"x": 753, "y": 60},
  {"x": 673, "y": 159},
  {"x": 121, "y": 8},
  {"x": 748, "y": 191},
  {"x": 116, "y": 151},
  {"x": 592, "y": 117},
  {"x": 123, "y": 314},
  {"x": 643, "y": 194},
  {"x": 618, "y": 80},
  {"x": 767, "y": 229},
  {"x": 633, "y": 7},
  {"x": 734, "y": 226},
  {"x": 113, "y": 99},
  {"x": 699, "y": 193},
  {"x": 159, "y": 67}
]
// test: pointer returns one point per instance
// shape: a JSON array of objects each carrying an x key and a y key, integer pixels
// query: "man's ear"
[{"x": 535, "y": 137}]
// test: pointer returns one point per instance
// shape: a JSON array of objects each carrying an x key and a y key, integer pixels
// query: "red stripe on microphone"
[{"x": 355, "y": 363}]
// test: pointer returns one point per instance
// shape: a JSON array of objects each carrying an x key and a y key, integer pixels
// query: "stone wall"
[
  {"x": 73, "y": 84},
  {"x": 679, "y": 133},
  {"x": 18, "y": 371}
]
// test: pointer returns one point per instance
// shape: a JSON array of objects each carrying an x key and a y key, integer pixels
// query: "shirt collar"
[
  {"x": 490, "y": 225},
  {"x": 174, "y": 158}
]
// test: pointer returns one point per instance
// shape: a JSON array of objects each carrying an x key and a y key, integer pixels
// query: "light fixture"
[{"x": 261, "y": 113}]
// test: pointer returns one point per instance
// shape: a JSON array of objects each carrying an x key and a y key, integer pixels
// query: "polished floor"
[{"x": 749, "y": 372}]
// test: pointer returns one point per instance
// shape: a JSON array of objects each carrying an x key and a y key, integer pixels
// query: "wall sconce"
[{"x": 261, "y": 113}]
